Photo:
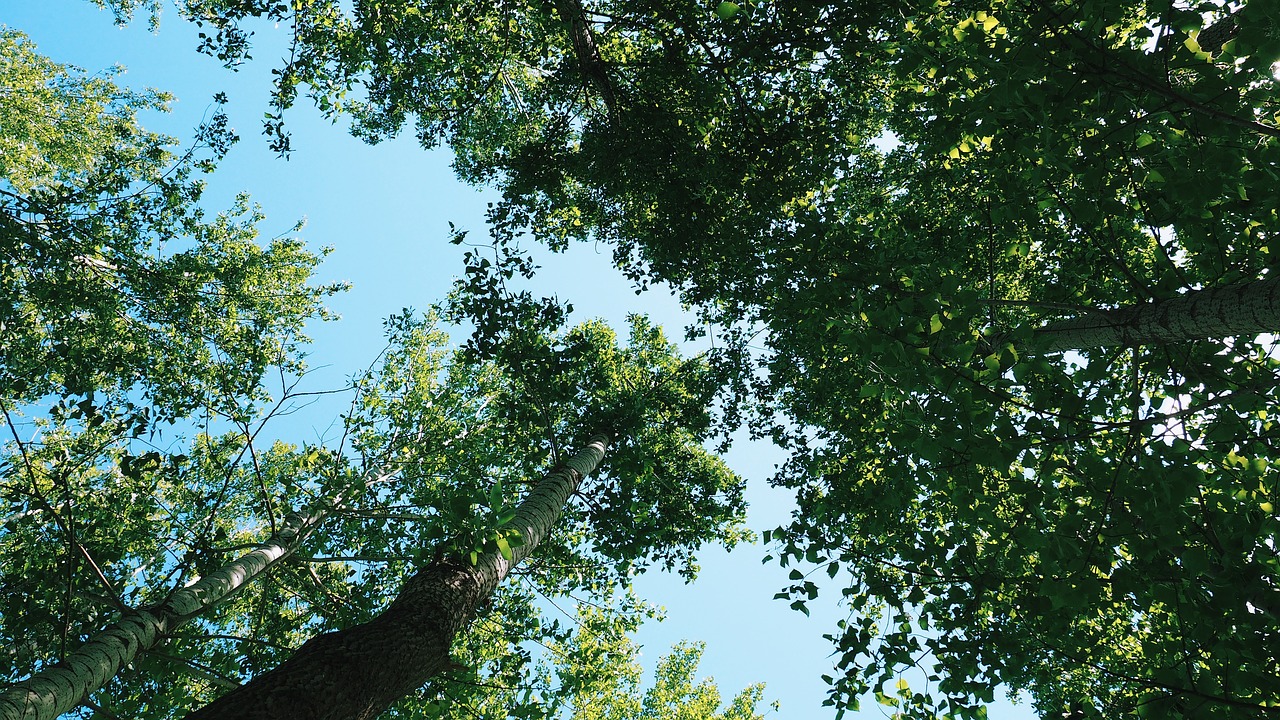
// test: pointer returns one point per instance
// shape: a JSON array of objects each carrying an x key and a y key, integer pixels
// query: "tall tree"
[
  {"x": 358, "y": 672},
  {"x": 1248, "y": 309},
  {"x": 57, "y": 689},
  {"x": 463, "y": 528},
  {"x": 668, "y": 493},
  {"x": 125, "y": 586},
  {"x": 122, "y": 305},
  {"x": 458, "y": 437},
  {"x": 900, "y": 196}
]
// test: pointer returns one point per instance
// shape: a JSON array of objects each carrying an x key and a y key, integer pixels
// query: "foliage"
[
  {"x": 599, "y": 678},
  {"x": 107, "y": 509},
  {"x": 655, "y": 404},
  {"x": 589, "y": 671},
  {"x": 426, "y": 433},
  {"x": 122, "y": 306},
  {"x": 112, "y": 278},
  {"x": 897, "y": 196}
]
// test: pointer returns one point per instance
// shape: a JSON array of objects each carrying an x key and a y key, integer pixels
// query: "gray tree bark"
[
  {"x": 358, "y": 672},
  {"x": 1247, "y": 309},
  {"x": 62, "y": 687}
]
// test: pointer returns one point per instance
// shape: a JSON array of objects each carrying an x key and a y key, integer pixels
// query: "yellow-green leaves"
[
  {"x": 126, "y": 283},
  {"x": 58, "y": 123},
  {"x": 598, "y": 671},
  {"x": 987, "y": 21},
  {"x": 726, "y": 10}
]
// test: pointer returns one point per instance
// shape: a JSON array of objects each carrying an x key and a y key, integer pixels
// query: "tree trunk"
[
  {"x": 590, "y": 63},
  {"x": 358, "y": 672},
  {"x": 60, "y": 688},
  {"x": 1247, "y": 309}
]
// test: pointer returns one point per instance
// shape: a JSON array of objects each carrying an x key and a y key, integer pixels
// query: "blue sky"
[{"x": 385, "y": 210}]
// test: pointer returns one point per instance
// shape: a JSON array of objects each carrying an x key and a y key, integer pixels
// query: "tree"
[
  {"x": 643, "y": 395},
  {"x": 103, "y": 318},
  {"x": 449, "y": 529},
  {"x": 899, "y": 197},
  {"x": 1229, "y": 311},
  {"x": 61, "y": 687},
  {"x": 122, "y": 534},
  {"x": 463, "y": 529},
  {"x": 112, "y": 278},
  {"x": 598, "y": 678},
  {"x": 360, "y": 671}
]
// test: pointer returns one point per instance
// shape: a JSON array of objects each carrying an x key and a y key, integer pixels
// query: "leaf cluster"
[
  {"x": 112, "y": 278},
  {"x": 894, "y": 199}
]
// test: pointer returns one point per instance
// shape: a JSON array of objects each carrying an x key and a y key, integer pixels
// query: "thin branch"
[{"x": 200, "y": 670}]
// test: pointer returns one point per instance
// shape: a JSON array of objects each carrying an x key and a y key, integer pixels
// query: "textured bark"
[
  {"x": 590, "y": 63},
  {"x": 1248, "y": 309},
  {"x": 357, "y": 673},
  {"x": 1212, "y": 38},
  {"x": 60, "y": 688}
]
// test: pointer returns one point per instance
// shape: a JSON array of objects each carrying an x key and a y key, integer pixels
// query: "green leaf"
[
  {"x": 459, "y": 507},
  {"x": 726, "y": 10}
]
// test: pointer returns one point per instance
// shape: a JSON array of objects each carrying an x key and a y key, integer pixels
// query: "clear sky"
[{"x": 385, "y": 210}]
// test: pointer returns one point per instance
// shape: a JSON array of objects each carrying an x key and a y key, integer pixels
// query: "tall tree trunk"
[
  {"x": 357, "y": 673},
  {"x": 1247, "y": 309},
  {"x": 60, "y": 688}
]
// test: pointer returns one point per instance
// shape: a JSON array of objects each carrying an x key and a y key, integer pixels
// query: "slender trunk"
[
  {"x": 1247, "y": 309},
  {"x": 357, "y": 673},
  {"x": 60, "y": 688},
  {"x": 590, "y": 63}
]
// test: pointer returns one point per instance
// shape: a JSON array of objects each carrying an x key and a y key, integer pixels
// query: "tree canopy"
[
  {"x": 150, "y": 500},
  {"x": 113, "y": 278},
  {"x": 888, "y": 211}
]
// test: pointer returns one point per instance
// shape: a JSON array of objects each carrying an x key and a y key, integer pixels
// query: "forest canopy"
[
  {"x": 162, "y": 555},
  {"x": 997, "y": 275}
]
